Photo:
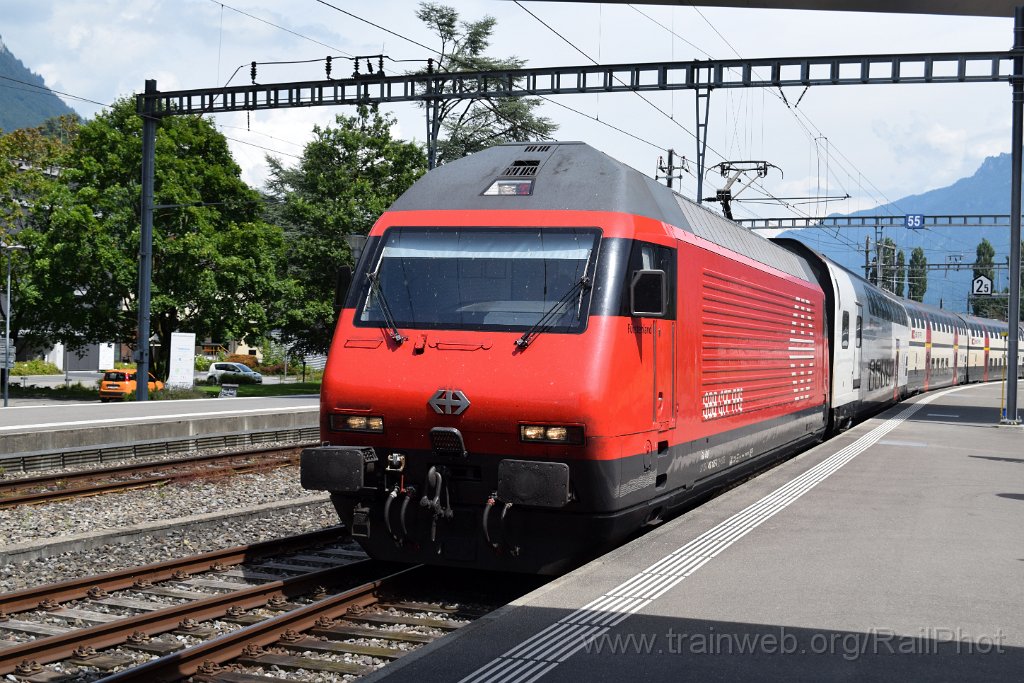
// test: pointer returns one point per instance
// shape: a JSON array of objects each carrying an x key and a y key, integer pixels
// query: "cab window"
[
  {"x": 846, "y": 329},
  {"x": 648, "y": 256}
]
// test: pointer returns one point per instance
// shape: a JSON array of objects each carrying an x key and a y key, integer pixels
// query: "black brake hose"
[
  {"x": 387, "y": 511},
  {"x": 486, "y": 515},
  {"x": 409, "y": 494},
  {"x": 501, "y": 524}
]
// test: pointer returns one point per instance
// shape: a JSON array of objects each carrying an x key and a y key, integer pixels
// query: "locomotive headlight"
[
  {"x": 531, "y": 432},
  {"x": 569, "y": 434},
  {"x": 357, "y": 423},
  {"x": 556, "y": 433}
]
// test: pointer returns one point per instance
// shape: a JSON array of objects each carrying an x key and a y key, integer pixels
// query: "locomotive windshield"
[{"x": 481, "y": 278}]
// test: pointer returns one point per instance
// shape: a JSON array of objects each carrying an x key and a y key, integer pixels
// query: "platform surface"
[
  {"x": 891, "y": 552},
  {"x": 44, "y": 425}
]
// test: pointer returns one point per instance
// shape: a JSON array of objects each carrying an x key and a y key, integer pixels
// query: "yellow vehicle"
[{"x": 117, "y": 384}]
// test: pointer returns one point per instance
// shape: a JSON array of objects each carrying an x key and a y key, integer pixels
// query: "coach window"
[
  {"x": 846, "y": 329},
  {"x": 860, "y": 324}
]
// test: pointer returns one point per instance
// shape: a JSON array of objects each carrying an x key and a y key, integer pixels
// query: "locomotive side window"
[
  {"x": 648, "y": 292},
  {"x": 645, "y": 259},
  {"x": 860, "y": 325},
  {"x": 846, "y": 329}
]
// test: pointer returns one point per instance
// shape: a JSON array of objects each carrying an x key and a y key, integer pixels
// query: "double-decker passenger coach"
[{"x": 542, "y": 350}]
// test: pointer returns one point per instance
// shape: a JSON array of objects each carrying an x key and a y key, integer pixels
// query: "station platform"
[
  {"x": 891, "y": 552},
  {"x": 46, "y": 427}
]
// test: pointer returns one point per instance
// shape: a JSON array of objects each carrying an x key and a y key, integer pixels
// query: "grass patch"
[
  {"x": 34, "y": 367},
  {"x": 289, "y": 389}
]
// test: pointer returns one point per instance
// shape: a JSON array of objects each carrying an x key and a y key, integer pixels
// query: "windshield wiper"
[
  {"x": 546, "y": 319},
  {"x": 385, "y": 310}
]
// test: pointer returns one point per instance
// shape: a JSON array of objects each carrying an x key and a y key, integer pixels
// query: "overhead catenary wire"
[
  {"x": 42, "y": 89},
  {"x": 810, "y": 128},
  {"x": 279, "y": 27},
  {"x": 546, "y": 99}
]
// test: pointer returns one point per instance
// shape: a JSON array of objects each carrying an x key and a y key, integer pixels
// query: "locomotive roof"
[{"x": 573, "y": 176}]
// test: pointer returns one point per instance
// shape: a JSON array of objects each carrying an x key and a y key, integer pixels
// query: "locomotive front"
[
  {"x": 456, "y": 395},
  {"x": 472, "y": 412}
]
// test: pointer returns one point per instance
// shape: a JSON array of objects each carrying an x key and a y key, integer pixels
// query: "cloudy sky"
[{"x": 876, "y": 143}]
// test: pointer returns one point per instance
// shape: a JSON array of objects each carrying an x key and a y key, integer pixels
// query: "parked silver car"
[{"x": 221, "y": 368}]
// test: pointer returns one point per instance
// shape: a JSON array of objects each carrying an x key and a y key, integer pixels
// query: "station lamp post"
[{"x": 8, "y": 248}]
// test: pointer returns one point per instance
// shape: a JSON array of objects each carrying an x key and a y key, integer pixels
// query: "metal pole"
[
  {"x": 7, "y": 329},
  {"x": 1017, "y": 82},
  {"x": 146, "y": 244},
  {"x": 8, "y": 248}
]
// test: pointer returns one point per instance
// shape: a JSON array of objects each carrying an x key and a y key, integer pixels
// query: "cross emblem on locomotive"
[{"x": 448, "y": 402}]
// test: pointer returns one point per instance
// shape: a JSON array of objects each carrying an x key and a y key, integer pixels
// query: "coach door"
[
  {"x": 858, "y": 343},
  {"x": 928, "y": 325},
  {"x": 956, "y": 354},
  {"x": 988, "y": 351}
]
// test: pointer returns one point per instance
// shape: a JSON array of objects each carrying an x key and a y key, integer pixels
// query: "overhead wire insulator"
[
  {"x": 380, "y": 64},
  {"x": 430, "y": 65},
  {"x": 369, "y": 67},
  {"x": 327, "y": 66},
  {"x": 355, "y": 69},
  {"x": 252, "y": 72}
]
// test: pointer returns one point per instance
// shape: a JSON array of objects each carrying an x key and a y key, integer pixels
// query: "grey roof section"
[
  {"x": 714, "y": 228},
  {"x": 573, "y": 176}
]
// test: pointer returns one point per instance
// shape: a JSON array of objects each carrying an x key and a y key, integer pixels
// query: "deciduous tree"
[
  {"x": 987, "y": 306},
  {"x": 348, "y": 175},
  {"x": 917, "y": 275},
  {"x": 215, "y": 262},
  {"x": 464, "y": 126},
  {"x": 30, "y": 161},
  {"x": 901, "y": 273}
]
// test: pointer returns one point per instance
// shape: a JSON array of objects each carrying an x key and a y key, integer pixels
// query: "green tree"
[
  {"x": 30, "y": 160},
  {"x": 901, "y": 273},
  {"x": 348, "y": 175},
  {"x": 917, "y": 275},
  {"x": 215, "y": 262},
  {"x": 462, "y": 127},
  {"x": 884, "y": 272},
  {"x": 987, "y": 306},
  {"x": 33, "y": 157}
]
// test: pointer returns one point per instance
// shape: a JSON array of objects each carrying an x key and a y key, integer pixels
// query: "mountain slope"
[
  {"x": 986, "y": 192},
  {"x": 21, "y": 105}
]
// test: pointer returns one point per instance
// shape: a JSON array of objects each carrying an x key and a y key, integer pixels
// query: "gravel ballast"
[{"x": 44, "y": 523}]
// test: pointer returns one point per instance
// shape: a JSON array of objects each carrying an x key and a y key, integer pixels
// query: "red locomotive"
[{"x": 543, "y": 351}]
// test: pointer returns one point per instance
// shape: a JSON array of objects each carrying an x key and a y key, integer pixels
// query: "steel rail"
[
  {"x": 76, "y": 589},
  {"x": 55, "y": 648},
  {"x": 8, "y": 501},
  {"x": 184, "y": 663},
  {"x": 123, "y": 470}
]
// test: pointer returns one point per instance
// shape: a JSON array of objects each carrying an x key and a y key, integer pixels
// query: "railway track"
[
  {"x": 61, "y": 486},
  {"x": 72, "y": 620},
  {"x": 320, "y": 608}
]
